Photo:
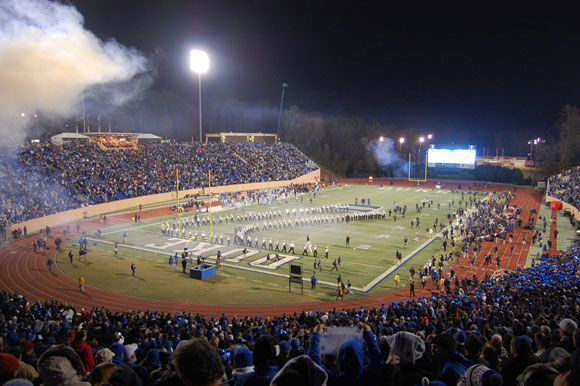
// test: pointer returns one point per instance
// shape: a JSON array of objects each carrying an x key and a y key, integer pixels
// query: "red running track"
[{"x": 27, "y": 272}]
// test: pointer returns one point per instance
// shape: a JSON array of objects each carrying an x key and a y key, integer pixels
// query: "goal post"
[{"x": 414, "y": 179}]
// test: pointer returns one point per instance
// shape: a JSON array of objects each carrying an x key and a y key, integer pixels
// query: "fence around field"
[{"x": 131, "y": 203}]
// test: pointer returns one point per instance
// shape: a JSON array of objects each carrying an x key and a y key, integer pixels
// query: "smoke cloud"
[
  {"x": 388, "y": 158},
  {"x": 49, "y": 62}
]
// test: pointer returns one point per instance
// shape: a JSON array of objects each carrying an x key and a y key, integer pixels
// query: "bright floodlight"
[
  {"x": 402, "y": 140},
  {"x": 430, "y": 136},
  {"x": 22, "y": 115},
  {"x": 381, "y": 139},
  {"x": 198, "y": 61},
  {"x": 421, "y": 139}
]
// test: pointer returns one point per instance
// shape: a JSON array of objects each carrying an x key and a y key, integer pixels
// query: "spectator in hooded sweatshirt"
[
  {"x": 84, "y": 350},
  {"x": 414, "y": 362},
  {"x": 302, "y": 371},
  {"x": 480, "y": 375},
  {"x": 266, "y": 359},
  {"x": 351, "y": 359},
  {"x": 242, "y": 359},
  {"x": 61, "y": 366},
  {"x": 453, "y": 364},
  {"x": 131, "y": 361}
]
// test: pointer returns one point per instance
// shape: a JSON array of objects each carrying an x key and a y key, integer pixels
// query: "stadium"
[{"x": 322, "y": 251}]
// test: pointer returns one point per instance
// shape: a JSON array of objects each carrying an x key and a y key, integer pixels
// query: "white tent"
[{"x": 59, "y": 139}]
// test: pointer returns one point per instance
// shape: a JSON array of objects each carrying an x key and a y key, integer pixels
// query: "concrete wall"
[{"x": 132, "y": 203}]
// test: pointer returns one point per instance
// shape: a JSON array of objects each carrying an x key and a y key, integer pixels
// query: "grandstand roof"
[
  {"x": 146, "y": 136},
  {"x": 63, "y": 137}
]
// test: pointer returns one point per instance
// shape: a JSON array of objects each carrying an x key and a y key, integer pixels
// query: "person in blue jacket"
[
  {"x": 266, "y": 361},
  {"x": 351, "y": 359}
]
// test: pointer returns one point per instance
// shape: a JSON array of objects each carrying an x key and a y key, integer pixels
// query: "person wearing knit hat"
[
  {"x": 301, "y": 370},
  {"x": 453, "y": 364},
  {"x": 61, "y": 365},
  {"x": 25, "y": 370},
  {"x": 104, "y": 356},
  {"x": 242, "y": 359},
  {"x": 567, "y": 327},
  {"x": 129, "y": 352},
  {"x": 284, "y": 350},
  {"x": 407, "y": 346},
  {"x": 117, "y": 349},
  {"x": 8, "y": 367},
  {"x": 480, "y": 375},
  {"x": 266, "y": 358},
  {"x": 295, "y": 348}
]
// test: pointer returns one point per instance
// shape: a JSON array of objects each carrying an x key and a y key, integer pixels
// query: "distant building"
[{"x": 506, "y": 162}]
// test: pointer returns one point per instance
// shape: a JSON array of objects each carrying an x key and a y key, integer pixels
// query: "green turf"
[{"x": 373, "y": 244}]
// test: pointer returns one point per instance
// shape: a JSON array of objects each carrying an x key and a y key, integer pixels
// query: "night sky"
[{"x": 447, "y": 68}]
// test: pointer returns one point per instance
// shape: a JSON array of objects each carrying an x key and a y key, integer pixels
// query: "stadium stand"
[
  {"x": 39, "y": 180},
  {"x": 566, "y": 187},
  {"x": 520, "y": 328}
]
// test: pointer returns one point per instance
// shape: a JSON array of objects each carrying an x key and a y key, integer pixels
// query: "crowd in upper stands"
[
  {"x": 39, "y": 180},
  {"x": 518, "y": 329},
  {"x": 566, "y": 187}
]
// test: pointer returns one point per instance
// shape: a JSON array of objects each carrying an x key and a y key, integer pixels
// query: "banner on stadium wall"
[
  {"x": 556, "y": 205},
  {"x": 334, "y": 337}
]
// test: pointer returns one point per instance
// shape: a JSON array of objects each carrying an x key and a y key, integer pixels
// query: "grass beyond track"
[{"x": 366, "y": 263}]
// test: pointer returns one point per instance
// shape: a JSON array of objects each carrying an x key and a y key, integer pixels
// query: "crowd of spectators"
[
  {"x": 111, "y": 142},
  {"x": 517, "y": 329},
  {"x": 566, "y": 187},
  {"x": 39, "y": 180}
]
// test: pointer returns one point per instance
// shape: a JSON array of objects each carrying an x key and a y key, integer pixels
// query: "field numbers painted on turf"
[
  {"x": 200, "y": 248},
  {"x": 240, "y": 257},
  {"x": 169, "y": 243},
  {"x": 386, "y": 237},
  {"x": 363, "y": 246},
  {"x": 398, "y": 228},
  {"x": 236, "y": 253},
  {"x": 261, "y": 262}
]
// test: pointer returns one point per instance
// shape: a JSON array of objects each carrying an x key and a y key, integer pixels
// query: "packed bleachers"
[
  {"x": 38, "y": 180},
  {"x": 518, "y": 329},
  {"x": 566, "y": 187}
]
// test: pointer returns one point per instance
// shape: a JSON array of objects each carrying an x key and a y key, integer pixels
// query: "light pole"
[
  {"x": 284, "y": 86},
  {"x": 199, "y": 63},
  {"x": 531, "y": 142},
  {"x": 401, "y": 142},
  {"x": 421, "y": 140}
]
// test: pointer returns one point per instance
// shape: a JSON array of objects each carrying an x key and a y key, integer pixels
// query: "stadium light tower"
[
  {"x": 199, "y": 63},
  {"x": 284, "y": 86},
  {"x": 401, "y": 142},
  {"x": 421, "y": 140}
]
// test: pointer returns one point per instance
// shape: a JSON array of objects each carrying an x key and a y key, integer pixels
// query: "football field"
[{"x": 251, "y": 278}]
